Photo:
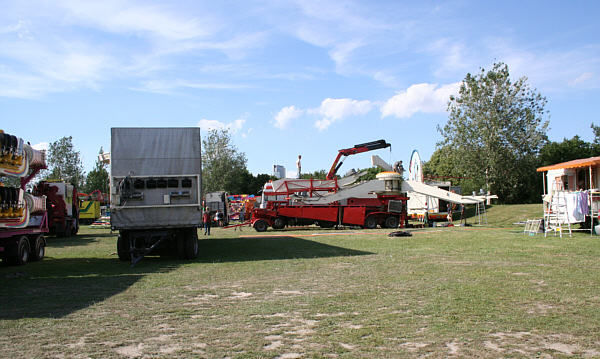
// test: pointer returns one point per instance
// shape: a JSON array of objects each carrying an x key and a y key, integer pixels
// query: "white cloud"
[
  {"x": 427, "y": 98},
  {"x": 287, "y": 114},
  {"x": 121, "y": 17},
  {"x": 338, "y": 109},
  {"x": 342, "y": 53},
  {"x": 234, "y": 126},
  {"x": 581, "y": 79}
]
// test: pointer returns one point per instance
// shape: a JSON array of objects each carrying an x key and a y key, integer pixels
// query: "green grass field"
[{"x": 481, "y": 291}]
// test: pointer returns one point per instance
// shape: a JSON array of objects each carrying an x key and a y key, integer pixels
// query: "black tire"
[
  {"x": 391, "y": 222},
  {"x": 191, "y": 244},
  {"x": 38, "y": 248},
  {"x": 370, "y": 223},
  {"x": 278, "y": 223},
  {"x": 20, "y": 254},
  {"x": 291, "y": 222},
  {"x": 123, "y": 248},
  {"x": 261, "y": 225},
  {"x": 181, "y": 244}
]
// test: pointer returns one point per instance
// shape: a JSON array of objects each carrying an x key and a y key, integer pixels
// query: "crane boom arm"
[{"x": 363, "y": 147}]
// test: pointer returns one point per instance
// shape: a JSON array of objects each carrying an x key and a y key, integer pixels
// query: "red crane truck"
[{"x": 375, "y": 203}]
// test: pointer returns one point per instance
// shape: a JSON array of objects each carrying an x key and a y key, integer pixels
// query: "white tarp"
[
  {"x": 156, "y": 153},
  {"x": 422, "y": 188}
]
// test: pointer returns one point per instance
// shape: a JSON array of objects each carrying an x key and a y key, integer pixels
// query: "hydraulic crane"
[{"x": 363, "y": 147}]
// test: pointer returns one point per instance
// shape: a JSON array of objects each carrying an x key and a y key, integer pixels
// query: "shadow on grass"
[
  {"x": 76, "y": 240},
  {"x": 54, "y": 288},
  {"x": 268, "y": 248}
]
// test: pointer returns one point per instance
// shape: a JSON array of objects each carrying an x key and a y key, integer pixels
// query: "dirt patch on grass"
[{"x": 531, "y": 344}]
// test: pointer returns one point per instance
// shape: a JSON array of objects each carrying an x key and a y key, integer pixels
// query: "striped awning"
[{"x": 583, "y": 162}]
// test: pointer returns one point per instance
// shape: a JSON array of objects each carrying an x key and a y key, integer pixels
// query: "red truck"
[
  {"x": 289, "y": 202},
  {"x": 23, "y": 216}
]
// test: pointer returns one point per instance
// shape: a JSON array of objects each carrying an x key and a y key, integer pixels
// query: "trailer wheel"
[
  {"x": 391, "y": 222},
  {"x": 370, "y": 223},
  {"x": 181, "y": 245},
  {"x": 261, "y": 225},
  {"x": 278, "y": 223},
  {"x": 21, "y": 253},
  {"x": 123, "y": 248},
  {"x": 191, "y": 244},
  {"x": 38, "y": 248}
]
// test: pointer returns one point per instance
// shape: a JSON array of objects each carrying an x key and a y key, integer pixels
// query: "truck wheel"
[
  {"x": 21, "y": 252},
  {"x": 191, "y": 244},
  {"x": 123, "y": 248},
  {"x": 181, "y": 245},
  {"x": 261, "y": 225},
  {"x": 278, "y": 223},
  {"x": 370, "y": 223},
  {"x": 38, "y": 248},
  {"x": 391, "y": 222}
]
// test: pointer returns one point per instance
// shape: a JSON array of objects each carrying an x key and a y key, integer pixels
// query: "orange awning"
[{"x": 583, "y": 162}]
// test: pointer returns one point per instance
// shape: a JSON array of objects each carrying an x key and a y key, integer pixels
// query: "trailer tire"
[
  {"x": 21, "y": 253},
  {"x": 38, "y": 248},
  {"x": 181, "y": 245},
  {"x": 370, "y": 223},
  {"x": 391, "y": 222},
  {"x": 191, "y": 244},
  {"x": 261, "y": 225},
  {"x": 279, "y": 223},
  {"x": 123, "y": 248}
]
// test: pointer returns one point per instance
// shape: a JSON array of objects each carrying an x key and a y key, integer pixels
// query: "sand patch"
[
  {"x": 454, "y": 347},
  {"x": 413, "y": 346},
  {"x": 273, "y": 345},
  {"x": 131, "y": 351},
  {"x": 289, "y": 356},
  {"x": 348, "y": 346},
  {"x": 240, "y": 295}
]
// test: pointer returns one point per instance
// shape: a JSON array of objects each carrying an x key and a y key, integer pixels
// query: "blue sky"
[{"x": 286, "y": 77}]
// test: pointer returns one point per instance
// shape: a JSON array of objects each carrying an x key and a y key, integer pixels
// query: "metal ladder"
[{"x": 555, "y": 217}]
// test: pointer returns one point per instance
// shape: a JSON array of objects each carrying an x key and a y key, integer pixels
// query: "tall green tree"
[
  {"x": 223, "y": 166},
  {"x": 442, "y": 167},
  {"x": 567, "y": 150},
  {"x": 64, "y": 163},
  {"x": 494, "y": 134},
  {"x": 97, "y": 179}
]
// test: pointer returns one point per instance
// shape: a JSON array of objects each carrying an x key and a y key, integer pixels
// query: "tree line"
[{"x": 494, "y": 139}]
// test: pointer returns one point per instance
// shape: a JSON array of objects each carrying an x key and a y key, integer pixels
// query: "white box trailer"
[{"x": 155, "y": 192}]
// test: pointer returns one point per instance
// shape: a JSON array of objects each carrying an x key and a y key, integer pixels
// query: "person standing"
[
  {"x": 206, "y": 220},
  {"x": 398, "y": 168},
  {"x": 220, "y": 218},
  {"x": 242, "y": 214},
  {"x": 299, "y": 166}
]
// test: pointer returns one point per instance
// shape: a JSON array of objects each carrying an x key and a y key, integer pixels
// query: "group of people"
[
  {"x": 207, "y": 220},
  {"x": 462, "y": 214},
  {"x": 219, "y": 218}
]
